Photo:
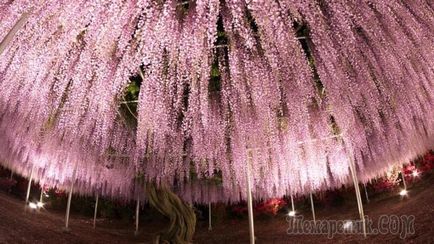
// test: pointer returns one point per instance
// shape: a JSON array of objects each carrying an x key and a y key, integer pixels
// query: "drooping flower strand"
[{"x": 293, "y": 88}]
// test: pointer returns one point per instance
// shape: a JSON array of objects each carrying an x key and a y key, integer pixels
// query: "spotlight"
[
  {"x": 415, "y": 173},
  {"x": 32, "y": 205},
  {"x": 291, "y": 213},
  {"x": 403, "y": 192},
  {"x": 40, "y": 204},
  {"x": 348, "y": 225}
]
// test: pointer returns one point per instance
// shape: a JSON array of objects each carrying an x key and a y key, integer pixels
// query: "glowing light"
[
  {"x": 403, "y": 192},
  {"x": 291, "y": 213},
  {"x": 348, "y": 225},
  {"x": 33, "y": 205},
  {"x": 40, "y": 204},
  {"x": 415, "y": 173}
]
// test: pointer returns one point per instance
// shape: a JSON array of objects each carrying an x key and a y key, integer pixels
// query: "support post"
[
  {"x": 137, "y": 216},
  {"x": 250, "y": 203},
  {"x": 41, "y": 196},
  {"x": 357, "y": 190},
  {"x": 403, "y": 179},
  {"x": 96, "y": 210},
  {"x": 313, "y": 208},
  {"x": 209, "y": 217},
  {"x": 68, "y": 206},
  {"x": 293, "y": 211},
  {"x": 12, "y": 174},
  {"x": 29, "y": 185},
  {"x": 366, "y": 193}
]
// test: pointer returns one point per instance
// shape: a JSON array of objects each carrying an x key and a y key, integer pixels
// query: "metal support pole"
[
  {"x": 313, "y": 208},
  {"x": 68, "y": 206},
  {"x": 293, "y": 211},
  {"x": 357, "y": 190},
  {"x": 403, "y": 179},
  {"x": 366, "y": 193},
  {"x": 96, "y": 210},
  {"x": 250, "y": 203},
  {"x": 209, "y": 217},
  {"x": 12, "y": 174},
  {"x": 41, "y": 196},
  {"x": 137, "y": 216},
  {"x": 29, "y": 185}
]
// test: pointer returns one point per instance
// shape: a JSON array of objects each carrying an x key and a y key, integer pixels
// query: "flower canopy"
[{"x": 295, "y": 88}]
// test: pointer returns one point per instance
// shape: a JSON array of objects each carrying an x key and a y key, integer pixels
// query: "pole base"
[
  {"x": 66, "y": 229},
  {"x": 136, "y": 233}
]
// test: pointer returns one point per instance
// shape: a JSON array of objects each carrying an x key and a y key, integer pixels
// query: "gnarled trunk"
[{"x": 181, "y": 216}]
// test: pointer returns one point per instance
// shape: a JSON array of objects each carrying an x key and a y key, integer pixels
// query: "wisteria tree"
[{"x": 192, "y": 96}]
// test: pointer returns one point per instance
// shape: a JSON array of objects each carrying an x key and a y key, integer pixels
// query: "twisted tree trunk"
[{"x": 181, "y": 216}]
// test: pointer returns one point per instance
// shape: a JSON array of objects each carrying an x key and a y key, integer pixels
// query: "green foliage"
[{"x": 128, "y": 104}]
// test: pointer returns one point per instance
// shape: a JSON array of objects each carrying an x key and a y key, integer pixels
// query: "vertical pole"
[
  {"x": 403, "y": 179},
  {"x": 30, "y": 185},
  {"x": 68, "y": 206},
  {"x": 209, "y": 217},
  {"x": 357, "y": 190},
  {"x": 96, "y": 210},
  {"x": 293, "y": 210},
  {"x": 250, "y": 203},
  {"x": 41, "y": 196},
  {"x": 366, "y": 193},
  {"x": 11, "y": 179},
  {"x": 313, "y": 208},
  {"x": 137, "y": 216}
]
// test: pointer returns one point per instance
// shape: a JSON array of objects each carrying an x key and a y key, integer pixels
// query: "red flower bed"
[{"x": 269, "y": 207}]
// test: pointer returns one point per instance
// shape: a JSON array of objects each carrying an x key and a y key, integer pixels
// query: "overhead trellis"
[{"x": 178, "y": 91}]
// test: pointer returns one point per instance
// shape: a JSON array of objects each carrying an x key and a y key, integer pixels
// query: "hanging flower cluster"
[{"x": 287, "y": 91}]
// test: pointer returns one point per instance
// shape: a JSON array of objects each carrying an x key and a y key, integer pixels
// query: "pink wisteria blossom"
[{"x": 357, "y": 83}]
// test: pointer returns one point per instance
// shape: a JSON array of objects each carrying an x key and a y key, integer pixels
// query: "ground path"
[{"x": 19, "y": 226}]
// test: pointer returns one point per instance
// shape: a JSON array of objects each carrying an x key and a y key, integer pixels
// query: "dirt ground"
[{"x": 18, "y": 225}]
